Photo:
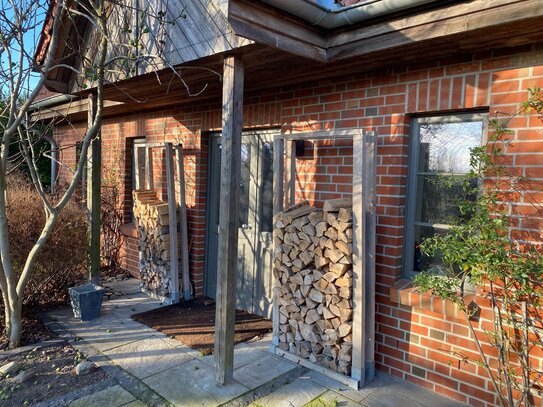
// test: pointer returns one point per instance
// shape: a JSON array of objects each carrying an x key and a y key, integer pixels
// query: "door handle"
[{"x": 246, "y": 226}]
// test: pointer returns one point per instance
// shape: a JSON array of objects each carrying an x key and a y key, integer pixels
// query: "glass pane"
[
  {"x": 420, "y": 261},
  {"x": 244, "y": 184},
  {"x": 439, "y": 199},
  {"x": 445, "y": 147},
  {"x": 266, "y": 189},
  {"x": 140, "y": 151}
]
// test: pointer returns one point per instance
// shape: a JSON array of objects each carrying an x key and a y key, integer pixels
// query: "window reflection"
[
  {"x": 266, "y": 189},
  {"x": 443, "y": 150},
  {"x": 244, "y": 184}
]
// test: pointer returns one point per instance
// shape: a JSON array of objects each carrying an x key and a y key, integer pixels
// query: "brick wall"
[{"x": 417, "y": 336}]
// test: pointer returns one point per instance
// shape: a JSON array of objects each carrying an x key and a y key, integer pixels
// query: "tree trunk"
[
  {"x": 16, "y": 324},
  {"x": 7, "y": 316}
]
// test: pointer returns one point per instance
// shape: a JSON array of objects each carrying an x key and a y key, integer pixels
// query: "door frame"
[{"x": 213, "y": 182}]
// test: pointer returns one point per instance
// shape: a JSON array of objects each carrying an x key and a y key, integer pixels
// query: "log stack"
[
  {"x": 152, "y": 222},
  {"x": 313, "y": 269}
]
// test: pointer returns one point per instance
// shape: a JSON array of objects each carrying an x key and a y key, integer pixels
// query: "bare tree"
[{"x": 18, "y": 19}]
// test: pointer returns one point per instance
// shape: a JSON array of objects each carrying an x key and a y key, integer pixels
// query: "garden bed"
[{"x": 54, "y": 368}]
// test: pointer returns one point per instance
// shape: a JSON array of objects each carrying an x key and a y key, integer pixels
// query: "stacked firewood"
[
  {"x": 152, "y": 222},
  {"x": 313, "y": 268}
]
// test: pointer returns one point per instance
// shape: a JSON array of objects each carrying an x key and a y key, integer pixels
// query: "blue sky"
[{"x": 30, "y": 38}]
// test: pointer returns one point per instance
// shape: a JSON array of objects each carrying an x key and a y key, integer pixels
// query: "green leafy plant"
[{"x": 482, "y": 250}]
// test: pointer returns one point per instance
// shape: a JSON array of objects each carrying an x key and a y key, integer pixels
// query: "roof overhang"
[
  {"x": 72, "y": 32},
  {"x": 471, "y": 25}
]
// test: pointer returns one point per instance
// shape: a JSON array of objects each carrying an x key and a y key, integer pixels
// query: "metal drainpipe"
[
  {"x": 327, "y": 17},
  {"x": 54, "y": 160}
]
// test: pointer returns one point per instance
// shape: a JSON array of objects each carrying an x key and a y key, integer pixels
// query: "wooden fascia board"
[
  {"x": 401, "y": 23},
  {"x": 272, "y": 28},
  {"x": 68, "y": 109},
  {"x": 434, "y": 25}
]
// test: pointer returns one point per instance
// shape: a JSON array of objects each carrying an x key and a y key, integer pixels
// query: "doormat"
[{"x": 193, "y": 324}]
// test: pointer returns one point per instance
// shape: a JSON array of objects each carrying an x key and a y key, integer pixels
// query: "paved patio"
[{"x": 151, "y": 369}]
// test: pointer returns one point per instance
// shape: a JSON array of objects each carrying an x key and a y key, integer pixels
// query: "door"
[{"x": 254, "y": 277}]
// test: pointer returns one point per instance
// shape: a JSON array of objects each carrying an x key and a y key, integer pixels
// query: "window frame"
[
  {"x": 134, "y": 141},
  {"x": 412, "y": 172}
]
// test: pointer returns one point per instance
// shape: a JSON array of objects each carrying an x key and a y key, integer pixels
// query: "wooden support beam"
[
  {"x": 368, "y": 194},
  {"x": 94, "y": 196},
  {"x": 172, "y": 213},
  {"x": 183, "y": 232},
  {"x": 278, "y": 205},
  {"x": 149, "y": 179},
  {"x": 227, "y": 253},
  {"x": 137, "y": 164},
  {"x": 363, "y": 330},
  {"x": 290, "y": 149}
]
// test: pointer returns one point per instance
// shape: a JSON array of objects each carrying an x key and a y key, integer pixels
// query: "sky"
[{"x": 30, "y": 39}]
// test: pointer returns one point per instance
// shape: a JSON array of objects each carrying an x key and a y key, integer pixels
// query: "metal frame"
[{"x": 364, "y": 184}]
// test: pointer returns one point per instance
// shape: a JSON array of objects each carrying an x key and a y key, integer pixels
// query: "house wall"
[{"x": 418, "y": 338}]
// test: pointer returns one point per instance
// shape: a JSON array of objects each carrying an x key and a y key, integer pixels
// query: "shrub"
[{"x": 62, "y": 263}]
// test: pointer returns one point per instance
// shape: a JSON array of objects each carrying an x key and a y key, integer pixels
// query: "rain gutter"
[{"x": 329, "y": 15}]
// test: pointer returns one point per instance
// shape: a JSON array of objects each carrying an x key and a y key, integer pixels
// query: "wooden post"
[
  {"x": 149, "y": 180},
  {"x": 94, "y": 196},
  {"x": 227, "y": 253},
  {"x": 363, "y": 329},
  {"x": 278, "y": 205},
  {"x": 137, "y": 168},
  {"x": 183, "y": 232},
  {"x": 369, "y": 251},
  {"x": 172, "y": 213},
  {"x": 290, "y": 149},
  {"x": 359, "y": 323}
]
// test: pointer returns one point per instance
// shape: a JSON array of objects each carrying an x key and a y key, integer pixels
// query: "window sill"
[
  {"x": 403, "y": 292},
  {"x": 129, "y": 230}
]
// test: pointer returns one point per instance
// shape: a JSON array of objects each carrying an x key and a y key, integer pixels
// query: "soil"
[
  {"x": 33, "y": 330},
  {"x": 193, "y": 324},
  {"x": 55, "y": 375}
]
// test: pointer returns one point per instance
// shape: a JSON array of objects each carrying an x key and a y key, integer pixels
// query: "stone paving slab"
[
  {"x": 193, "y": 384},
  {"x": 295, "y": 394},
  {"x": 131, "y": 301},
  {"x": 390, "y": 392},
  {"x": 114, "y": 396},
  {"x": 160, "y": 370},
  {"x": 342, "y": 389},
  {"x": 332, "y": 399},
  {"x": 136, "y": 403},
  {"x": 262, "y": 370},
  {"x": 108, "y": 331},
  {"x": 148, "y": 356}
]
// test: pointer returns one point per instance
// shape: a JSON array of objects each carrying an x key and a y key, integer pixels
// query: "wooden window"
[{"x": 439, "y": 157}]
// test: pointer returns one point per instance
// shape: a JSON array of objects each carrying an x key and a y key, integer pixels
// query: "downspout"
[
  {"x": 330, "y": 16},
  {"x": 54, "y": 161}
]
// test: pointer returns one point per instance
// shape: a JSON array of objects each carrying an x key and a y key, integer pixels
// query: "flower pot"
[{"x": 86, "y": 301}]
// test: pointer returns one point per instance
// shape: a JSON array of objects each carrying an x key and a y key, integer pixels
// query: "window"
[
  {"x": 137, "y": 176},
  {"x": 138, "y": 164},
  {"x": 439, "y": 151}
]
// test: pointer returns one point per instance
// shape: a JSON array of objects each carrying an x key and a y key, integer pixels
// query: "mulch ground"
[
  {"x": 33, "y": 330},
  {"x": 55, "y": 375},
  {"x": 193, "y": 324}
]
